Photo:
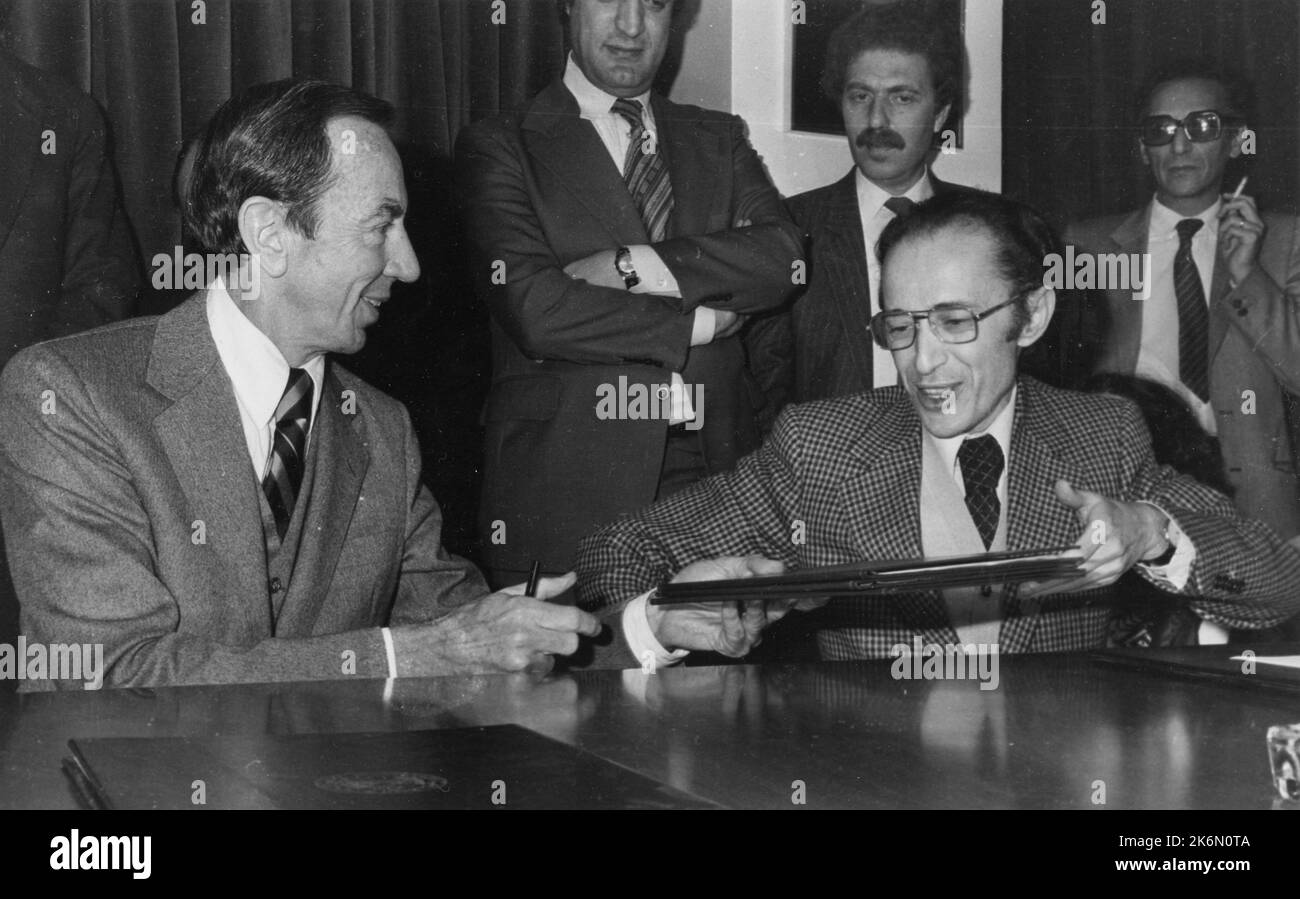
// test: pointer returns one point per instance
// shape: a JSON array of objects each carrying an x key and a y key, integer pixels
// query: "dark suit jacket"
[
  {"x": 849, "y": 469},
  {"x": 1254, "y": 345},
  {"x": 117, "y": 441},
  {"x": 820, "y": 346},
  {"x": 539, "y": 191},
  {"x": 66, "y": 258}
]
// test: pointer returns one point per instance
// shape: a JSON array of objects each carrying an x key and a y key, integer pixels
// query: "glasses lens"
[
  {"x": 1158, "y": 130},
  {"x": 894, "y": 330},
  {"x": 1204, "y": 126},
  {"x": 954, "y": 324}
]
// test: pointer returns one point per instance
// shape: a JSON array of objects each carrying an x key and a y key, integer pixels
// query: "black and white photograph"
[{"x": 611, "y": 405}]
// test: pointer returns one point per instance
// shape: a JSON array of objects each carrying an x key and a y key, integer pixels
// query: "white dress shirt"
[
  {"x": 258, "y": 373},
  {"x": 875, "y": 216},
  {"x": 615, "y": 133},
  {"x": 1158, "y": 352}
]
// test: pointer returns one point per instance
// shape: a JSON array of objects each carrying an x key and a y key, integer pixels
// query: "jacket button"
[{"x": 275, "y": 585}]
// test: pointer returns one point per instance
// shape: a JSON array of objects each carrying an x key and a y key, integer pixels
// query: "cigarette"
[{"x": 1240, "y": 187}]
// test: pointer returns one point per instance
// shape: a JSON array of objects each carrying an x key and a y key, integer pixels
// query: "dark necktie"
[
  {"x": 288, "y": 450},
  {"x": 645, "y": 173},
  {"x": 901, "y": 207},
  {"x": 981, "y": 467},
  {"x": 1193, "y": 316}
]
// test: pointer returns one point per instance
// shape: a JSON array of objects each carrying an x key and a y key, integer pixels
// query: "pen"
[{"x": 533, "y": 577}]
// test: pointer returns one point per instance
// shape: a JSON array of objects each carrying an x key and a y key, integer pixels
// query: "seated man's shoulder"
[
  {"x": 367, "y": 399},
  {"x": 842, "y": 419},
  {"x": 115, "y": 356},
  {"x": 1081, "y": 418}
]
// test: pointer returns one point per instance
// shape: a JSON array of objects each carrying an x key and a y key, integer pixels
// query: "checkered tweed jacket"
[{"x": 839, "y": 481}]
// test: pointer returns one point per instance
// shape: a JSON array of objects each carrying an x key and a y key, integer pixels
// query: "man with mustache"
[
  {"x": 895, "y": 73},
  {"x": 966, "y": 454}
]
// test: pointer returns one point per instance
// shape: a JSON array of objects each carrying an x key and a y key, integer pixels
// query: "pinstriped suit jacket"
[{"x": 845, "y": 475}]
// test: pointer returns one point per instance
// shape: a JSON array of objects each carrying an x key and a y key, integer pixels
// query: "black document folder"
[
  {"x": 883, "y": 577},
  {"x": 503, "y": 766}
]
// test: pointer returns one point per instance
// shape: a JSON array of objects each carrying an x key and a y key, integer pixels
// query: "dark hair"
[
  {"x": 270, "y": 141},
  {"x": 909, "y": 26},
  {"x": 1176, "y": 437},
  {"x": 1237, "y": 92},
  {"x": 1023, "y": 238},
  {"x": 563, "y": 7}
]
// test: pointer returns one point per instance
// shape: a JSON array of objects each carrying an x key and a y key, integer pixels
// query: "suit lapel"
[
  {"x": 340, "y": 468},
  {"x": 844, "y": 257},
  {"x": 567, "y": 145},
  {"x": 1120, "y": 353},
  {"x": 203, "y": 439},
  {"x": 20, "y": 142},
  {"x": 692, "y": 160},
  {"x": 1035, "y": 466},
  {"x": 880, "y": 499}
]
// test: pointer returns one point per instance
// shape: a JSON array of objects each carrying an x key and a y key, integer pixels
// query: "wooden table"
[{"x": 1152, "y": 730}]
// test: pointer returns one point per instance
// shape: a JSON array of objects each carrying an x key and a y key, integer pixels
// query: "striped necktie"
[
  {"x": 645, "y": 173},
  {"x": 289, "y": 448},
  {"x": 1193, "y": 316},
  {"x": 981, "y": 468}
]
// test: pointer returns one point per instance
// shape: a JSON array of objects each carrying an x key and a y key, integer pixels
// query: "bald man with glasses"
[{"x": 965, "y": 455}]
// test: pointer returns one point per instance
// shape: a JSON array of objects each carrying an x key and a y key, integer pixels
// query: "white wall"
[
  {"x": 761, "y": 41},
  {"x": 704, "y": 78}
]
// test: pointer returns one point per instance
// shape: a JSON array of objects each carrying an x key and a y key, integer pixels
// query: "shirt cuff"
[
  {"x": 641, "y": 640},
  {"x": 655, "y": 276},
  {"x": 706, "y": 322},
  {"x": 1178, "y": 570},
  {"x": 389, "y": 651}
]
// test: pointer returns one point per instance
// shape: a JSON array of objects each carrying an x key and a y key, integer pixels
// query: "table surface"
[{"x": 1060, "y": 731}]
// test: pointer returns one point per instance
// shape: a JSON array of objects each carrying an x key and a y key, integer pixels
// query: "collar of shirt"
[
  {"x": 257, "y": 369},
  {"x": 1000, "y": 429},
  {"x": 595, "y": 104},
  {"x": 871, "y": 198},
  {"x": 1164, "y": 222}
]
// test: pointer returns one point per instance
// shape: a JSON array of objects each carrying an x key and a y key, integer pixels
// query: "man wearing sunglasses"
[
  {"x": 1221, "y": 325},
  {"x": 965, "y": 455}
]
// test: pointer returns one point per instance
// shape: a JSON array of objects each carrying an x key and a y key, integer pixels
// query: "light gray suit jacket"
[
  {"x": 132, "y": 515},
  {"x": 1254, "y": 345}
]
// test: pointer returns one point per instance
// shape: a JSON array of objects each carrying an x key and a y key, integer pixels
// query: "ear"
[
  {"x": 1042, "y": 303},
  {"x": 1142, "y": 152},
  {"x": 265, "y": 234},
  {"x": 1235, "y": 149},
  {"x": 941, "y": 116}
]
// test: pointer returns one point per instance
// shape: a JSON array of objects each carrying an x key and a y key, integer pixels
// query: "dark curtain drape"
[
  {"x": 160, "y": 68},
  {"x": 1070, "y": 89}
]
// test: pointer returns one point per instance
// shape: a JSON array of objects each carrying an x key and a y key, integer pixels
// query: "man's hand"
[
  {"x": 1241, "y": 234},
  {"x": 502, "y": 632},
  {"x": 1116, "y": 536},
  {"x": 597, "y": 270},
  {"x": 726, "y": 322},
  {"x": 729, "y": 628}
]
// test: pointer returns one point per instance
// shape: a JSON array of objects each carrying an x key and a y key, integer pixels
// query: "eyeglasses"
[
  {"x": 950, "y": 322},
  {"x": 1200, "y": 127}
]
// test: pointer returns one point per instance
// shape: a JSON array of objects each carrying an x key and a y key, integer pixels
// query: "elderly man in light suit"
[{"x": 207, "y": 493}]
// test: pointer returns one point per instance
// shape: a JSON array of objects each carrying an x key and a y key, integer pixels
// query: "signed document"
[{"x": 883, "y": 577}]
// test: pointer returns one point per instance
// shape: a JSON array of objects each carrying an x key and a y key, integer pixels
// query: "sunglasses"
[
  {"x": 1199, "y": 127},
  {"x": 950, "y": 322}
]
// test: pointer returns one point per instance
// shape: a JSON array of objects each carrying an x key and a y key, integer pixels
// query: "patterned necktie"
[
  {"x": 901, "y": 207},
  {"x": 645, "y": 173},
  {"x": 1193, "y": 316},
  {"x": 981, "y": 467},
  {"x": 288, "y": 451}
]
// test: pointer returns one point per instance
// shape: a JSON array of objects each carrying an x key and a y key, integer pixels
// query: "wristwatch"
[{"x": 626, "y": 270}]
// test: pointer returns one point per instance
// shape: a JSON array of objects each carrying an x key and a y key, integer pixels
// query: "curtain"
[
  {"x": 1070, "y": 91},
  {"x": 160, "y": 68}
]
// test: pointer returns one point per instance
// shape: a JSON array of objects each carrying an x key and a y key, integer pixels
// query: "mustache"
[{"x": 880, "y": 138}]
